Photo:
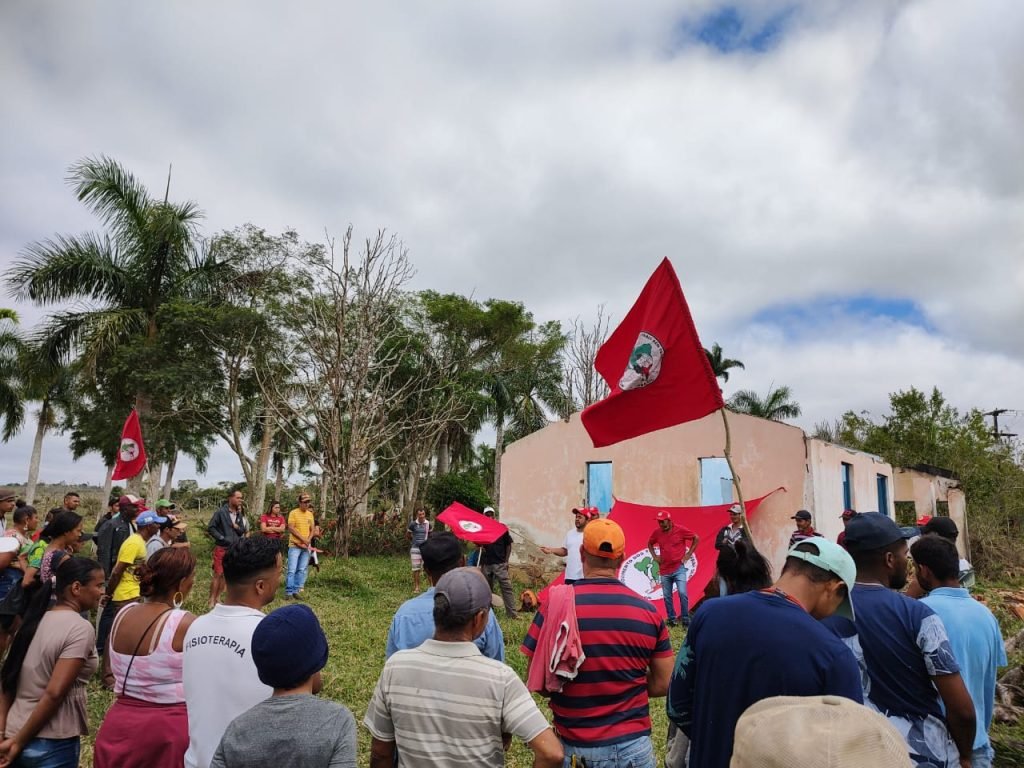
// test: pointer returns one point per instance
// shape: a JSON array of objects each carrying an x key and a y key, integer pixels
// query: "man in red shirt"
[{"x": 671, "y": 546}]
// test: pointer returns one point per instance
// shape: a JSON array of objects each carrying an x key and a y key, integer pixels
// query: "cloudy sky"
[{"x": 840, "y": 186}]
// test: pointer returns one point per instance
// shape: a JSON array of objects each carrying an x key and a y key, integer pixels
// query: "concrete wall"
[
  {"x": 926, "y": 491},
  {"x": 824, "y": 489},
  {"x": 544, "y": 475}
]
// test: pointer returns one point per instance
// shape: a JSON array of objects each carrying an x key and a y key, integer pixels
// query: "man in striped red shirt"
[{"x": 603, "y": 714}]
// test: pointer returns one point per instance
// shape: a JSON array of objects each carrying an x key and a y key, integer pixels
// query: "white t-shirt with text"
[{"x": 220, "y": 677}]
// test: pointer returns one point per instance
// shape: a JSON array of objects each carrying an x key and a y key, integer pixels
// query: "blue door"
[{"x": 599, "y": 485}]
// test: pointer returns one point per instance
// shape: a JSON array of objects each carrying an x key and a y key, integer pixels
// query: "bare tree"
[
  {"x": 360, "y": 378},
  {"x": 584, "y": 386}
]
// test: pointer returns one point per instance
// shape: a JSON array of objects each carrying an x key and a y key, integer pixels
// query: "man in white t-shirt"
[
  {"x": 221, "y": 681},
  {"x": 573, "y": 541}
]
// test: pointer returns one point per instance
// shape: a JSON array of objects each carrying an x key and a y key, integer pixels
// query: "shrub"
[{"x": 381, "y": 533}]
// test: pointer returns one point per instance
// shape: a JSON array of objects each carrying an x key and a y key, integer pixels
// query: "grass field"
[{"x": 355, "y": 601}]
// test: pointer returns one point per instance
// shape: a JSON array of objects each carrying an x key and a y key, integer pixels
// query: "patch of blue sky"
[
  {"x": 728, "y": 30},
  {"x": 808, "y": 317}
]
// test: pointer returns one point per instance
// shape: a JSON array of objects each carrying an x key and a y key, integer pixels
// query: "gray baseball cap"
[{"x": 466, "y": 590}]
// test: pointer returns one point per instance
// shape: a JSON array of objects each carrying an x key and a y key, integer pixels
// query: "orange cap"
[{"x": 604, "y": 538}]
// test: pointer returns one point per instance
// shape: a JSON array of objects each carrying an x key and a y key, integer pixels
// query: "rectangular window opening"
[{"x": 715, "y": 482}]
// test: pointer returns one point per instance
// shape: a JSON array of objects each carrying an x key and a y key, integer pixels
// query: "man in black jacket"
[
  {"x": 109, "y": 539},
  {"x": 494, "y": 564},
  {"x": 227, "y": 526}
]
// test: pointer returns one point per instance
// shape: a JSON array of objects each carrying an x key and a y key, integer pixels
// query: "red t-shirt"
[
  {"x": 274, "y": 520},
  {"x": 673, "y": 544}
]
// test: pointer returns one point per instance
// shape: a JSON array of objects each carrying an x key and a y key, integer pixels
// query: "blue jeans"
[
  {"x": 635, "y": 753},
  {"x": 982, "y": 757},
  {"x": 298, "y": 561},
  {"x": 50, "y": 753},
  {"x": 679, "y": 580}
]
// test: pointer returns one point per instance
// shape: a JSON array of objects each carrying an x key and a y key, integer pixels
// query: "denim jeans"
[
  {"x": 635, "y": 753},
  {"x": 679, "y": 580},
  {"x": 298, "y": 562},
  {"x": 50, "y": 753},
  {"x": 982, "y": 757}
]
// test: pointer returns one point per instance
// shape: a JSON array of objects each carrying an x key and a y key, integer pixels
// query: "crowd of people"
[{"x": 843, "y": 660}]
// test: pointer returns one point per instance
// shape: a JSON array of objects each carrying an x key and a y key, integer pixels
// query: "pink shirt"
[{"x": 155, "y": 677}]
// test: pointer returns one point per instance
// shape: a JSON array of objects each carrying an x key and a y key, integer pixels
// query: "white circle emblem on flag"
[
  {"x": 470, "y": 527},
  {"x": 129, "y": 449},
  {"x": 644, "y": 363},
  {"x": 640, "y": 573}
]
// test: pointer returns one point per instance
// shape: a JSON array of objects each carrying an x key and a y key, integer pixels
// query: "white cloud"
[{"x": 555, "y": 153}]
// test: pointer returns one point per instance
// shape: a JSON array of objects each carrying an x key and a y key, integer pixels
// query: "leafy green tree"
[
  {"x": 720, "y": 364},
  {"x": 463, "y": 487},
  {"x": 777, "y": 404},
  {"x": 925, "y": 429},
  {"x": 49, "y": 384}
]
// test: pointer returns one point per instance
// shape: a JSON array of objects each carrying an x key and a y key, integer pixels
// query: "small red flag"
[
  {"x": 472, "y": 526},
  {"x": 655, "y": 367},
  {"x": 131, "y": 455}
]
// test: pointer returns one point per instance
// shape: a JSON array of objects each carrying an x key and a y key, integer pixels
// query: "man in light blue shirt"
[
  {"x": 973, "y": 632},
  {"x": 414, "y": 620}
]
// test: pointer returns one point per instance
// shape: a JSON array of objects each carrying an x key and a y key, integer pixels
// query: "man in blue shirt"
[
  {"x": 973, "y": 632},
  {"x": 910, "y": 671},
  {"x": 414, "y": 620},
  {"x": 748, "y": 647}
]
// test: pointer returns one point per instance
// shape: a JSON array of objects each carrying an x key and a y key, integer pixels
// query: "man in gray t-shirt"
[
  {"x": 417, "y": 532},
  {"x": 289, "y": 649}
]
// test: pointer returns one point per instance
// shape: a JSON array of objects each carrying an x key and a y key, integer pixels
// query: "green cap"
[
  {"x": 832, "y": 558},
  {"x": 165, "y": 504}
]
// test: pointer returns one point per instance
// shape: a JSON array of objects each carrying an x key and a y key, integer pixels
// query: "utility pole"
[{"x": 995, "y": 413}]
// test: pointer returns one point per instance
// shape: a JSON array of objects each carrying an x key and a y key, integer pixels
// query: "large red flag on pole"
[
  {"x": 655, "y": 367},
  {"x": 472, "y": 526},
  {"x": 131, "y": 455}
]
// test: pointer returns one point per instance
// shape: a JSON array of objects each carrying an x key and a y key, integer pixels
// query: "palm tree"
[
  {"x": 526, "y": 385},
  {"x": 12, "y": 404},
  {"x": 721, "y": 365},
  {"x": 148, "y": 256},
  {"x": 49, "y": 384},
  {"x": 776, "y": 405}
]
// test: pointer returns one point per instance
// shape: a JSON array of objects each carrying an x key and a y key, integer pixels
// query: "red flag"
[
  {"x": 131, "y": 456},
  {"x": 472, "y": 526},
  {"x": 655, "y": 367},
  {"x": 639, "y": 572}
]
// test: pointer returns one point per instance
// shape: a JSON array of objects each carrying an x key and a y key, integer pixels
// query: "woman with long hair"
[
  {"x": 57, "y": 542},
  {"x": 42, "y": 682},
  {"x": 146, "y": 651},
  {"x": 741, "y": 568}
]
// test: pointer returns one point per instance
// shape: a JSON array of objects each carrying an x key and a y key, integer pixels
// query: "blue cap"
[
  {"x": 289, "y": 647},
  {"x": 873, "y": 530},
  {"x": 149, "y": 518}
]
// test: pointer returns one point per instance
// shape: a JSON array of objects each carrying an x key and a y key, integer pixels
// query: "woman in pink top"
[{"x": 147, "y": 727}]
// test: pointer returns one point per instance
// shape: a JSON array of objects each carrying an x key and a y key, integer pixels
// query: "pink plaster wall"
[{"x": 543, "y": 476}]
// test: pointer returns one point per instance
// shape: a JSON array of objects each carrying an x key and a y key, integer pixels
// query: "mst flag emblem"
[
  {"x": 644, "y": 363},
  {"x": 655, "y": 367},
  {"x": 131, "y": 452}
]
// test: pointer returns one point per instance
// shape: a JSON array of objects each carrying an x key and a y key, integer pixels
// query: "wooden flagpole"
[{"x": 732, "y": 471}]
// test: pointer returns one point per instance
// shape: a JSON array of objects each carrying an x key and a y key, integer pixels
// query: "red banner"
[
  {"x": 639, "y": 572},
  {"x": 131, "y": 455},
  {"x": 472, "y": 526},
  {"x": 655, "y": 367}
]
